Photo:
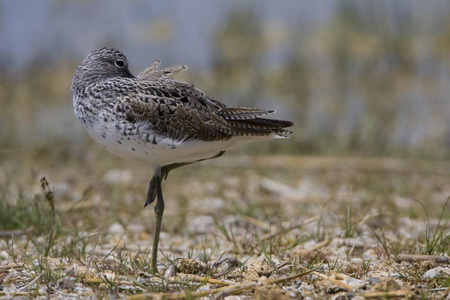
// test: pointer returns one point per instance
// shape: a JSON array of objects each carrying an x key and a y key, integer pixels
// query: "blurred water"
[
  {"x": 60, "y": 29},
  {"x": 364, "y": 75}
]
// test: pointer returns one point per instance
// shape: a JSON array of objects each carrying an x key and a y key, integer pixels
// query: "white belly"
[{"x": 163, "y": 151}]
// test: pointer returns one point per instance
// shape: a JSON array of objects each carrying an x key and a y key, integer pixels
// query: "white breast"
[{"x": 165, "y": 151}]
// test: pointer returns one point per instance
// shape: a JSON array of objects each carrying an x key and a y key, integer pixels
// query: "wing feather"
[{"x": 179, "y": 110}]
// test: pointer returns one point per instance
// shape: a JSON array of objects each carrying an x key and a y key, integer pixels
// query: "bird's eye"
[{"x": 119, "y": 63}]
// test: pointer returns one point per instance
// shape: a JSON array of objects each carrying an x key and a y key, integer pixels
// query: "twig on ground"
[
  {"x": 9, "y": 234},
  {"x": 438, "y": 289},
  {"x": 418, "y": 257}
]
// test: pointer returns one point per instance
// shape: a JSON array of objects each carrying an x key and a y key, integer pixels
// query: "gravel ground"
[{"x": 235, "y": 228}]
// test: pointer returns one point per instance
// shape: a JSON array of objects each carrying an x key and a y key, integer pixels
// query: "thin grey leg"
[
  {"x": 151, "y": 194},
  {"x": 155, "y": 191},
  {"x": 159, "y": 211}
]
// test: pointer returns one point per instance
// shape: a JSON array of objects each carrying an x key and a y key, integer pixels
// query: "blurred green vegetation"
[{"x": 359, "y": 85}]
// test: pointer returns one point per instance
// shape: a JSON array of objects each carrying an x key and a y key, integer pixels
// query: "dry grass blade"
[
  {"x": 397, "y": 165},
  {"x": 50, "y": 197},
  {"x": 366, "y": 218},
  {"x": 100, "y": 280},
  {"x": 15, "y": 294},
  {"x": 85, "y": 204},
  {"x": 196, "y": 278},
  {"x": 30, "y": 283},
  {"x": 256, "y": 222},
  {"x": 339, "y": 275},
  {"x": 312, "y": 249},
  {"x": 228, "y": 290},
  {"x": 10, "y": 266},
  {"x": 337, "y": 282},
  {"x": 283, "y": 231},
  {"x": 405, "y": 294}
]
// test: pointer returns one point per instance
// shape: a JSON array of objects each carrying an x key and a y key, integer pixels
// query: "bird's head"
[{"x": 102, "y": 63}]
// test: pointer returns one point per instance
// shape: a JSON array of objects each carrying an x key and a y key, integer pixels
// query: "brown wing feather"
[{"x": 180, "y": 111}]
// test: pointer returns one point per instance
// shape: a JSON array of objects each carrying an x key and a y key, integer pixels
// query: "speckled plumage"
[
  {"x": 159, "y": 121},
  {"x": 142, "y": 118}
]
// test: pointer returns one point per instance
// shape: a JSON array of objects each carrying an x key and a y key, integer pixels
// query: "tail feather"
[
  {"x": 269, "y": 122},
  {"x": 260, "y": 126},
  {"x": 243, "y": 113}
]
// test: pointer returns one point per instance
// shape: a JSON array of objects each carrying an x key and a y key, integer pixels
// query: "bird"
[{"x": 156, "y": 120}]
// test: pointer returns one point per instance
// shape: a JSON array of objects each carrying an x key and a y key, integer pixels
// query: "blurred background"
[{"x": 368, "y": 78}]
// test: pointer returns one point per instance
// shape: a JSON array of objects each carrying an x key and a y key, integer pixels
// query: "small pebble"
[
  {"x": 118, "y": 176},
  {"x": 262, "y": 279},
  {"x": 66, "y": 283},
  {"x": 370, "y": 254},
  {"x": 226, "y": 265},
  {"x": 169, "y": 272},
  {"x": 203, "y": 288},
  {"x": 342, "y": 296},
  {"x": 4, "y": 255},
  {"x": 430, "y": 274},
  {"x": 232, "y": 298},
  {"x": 356, "y": 283},
  {"x": 333, "y": 289},
  {"x": 116, "y": 228}
]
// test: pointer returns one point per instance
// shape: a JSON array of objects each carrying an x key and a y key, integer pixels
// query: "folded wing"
[{"x": 180, "y": 111}]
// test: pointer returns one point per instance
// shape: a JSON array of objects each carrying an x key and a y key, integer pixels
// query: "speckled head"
[{"x": 100, "y": 64}]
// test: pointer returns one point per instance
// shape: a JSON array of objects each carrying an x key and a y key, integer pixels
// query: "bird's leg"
[
  {"x": 159, "y": 210},
  {"x": 151, "y": 194},
  {"x": 155, "y": 191}
]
